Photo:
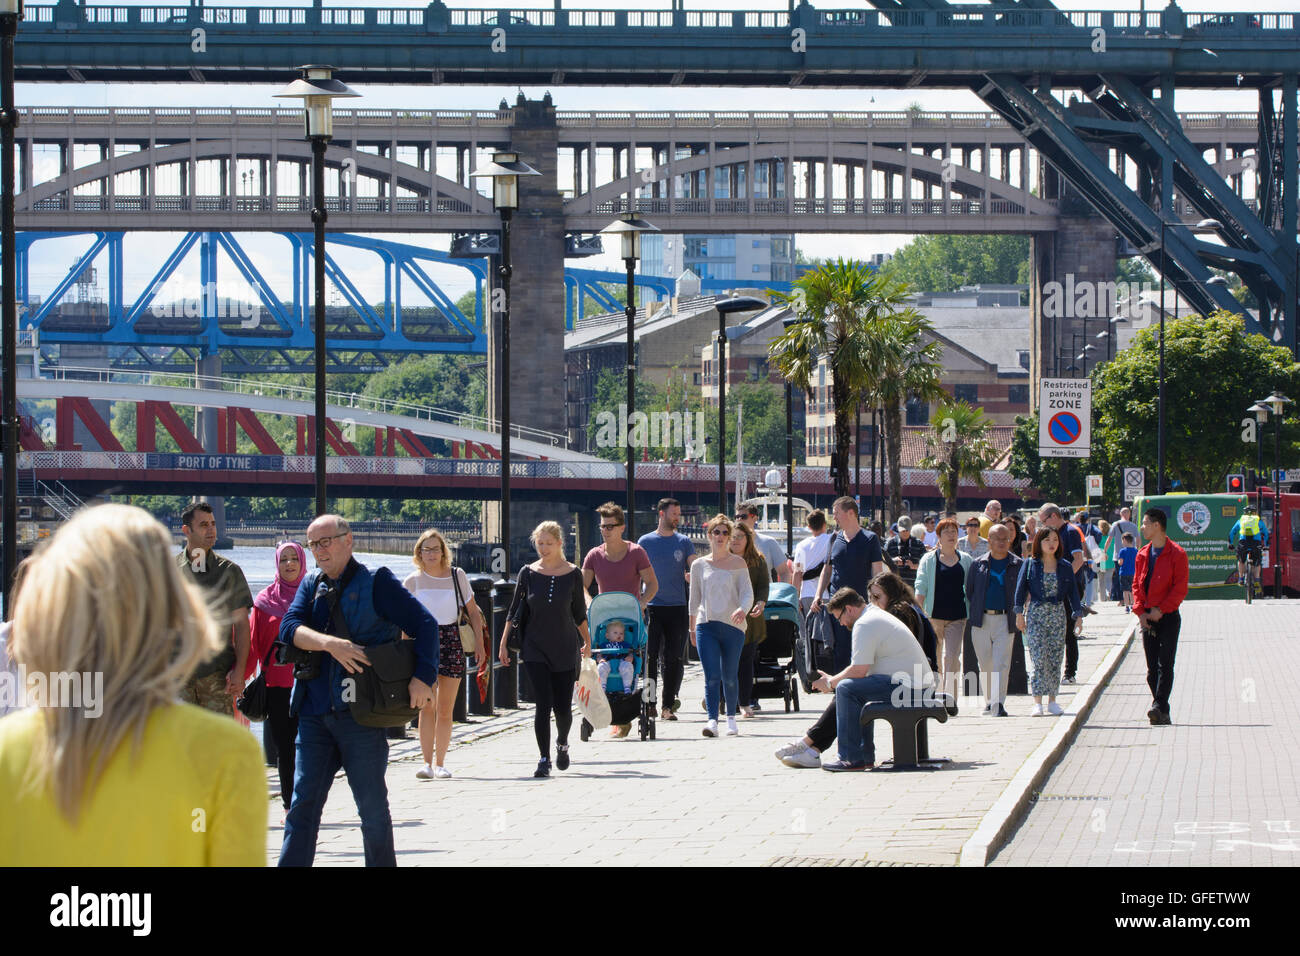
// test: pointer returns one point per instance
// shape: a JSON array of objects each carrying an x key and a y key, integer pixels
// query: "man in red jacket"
[{"x": 1159, "y": 586}]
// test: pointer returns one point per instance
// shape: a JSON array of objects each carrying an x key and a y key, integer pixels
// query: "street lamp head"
[
  {"x": 317, "y": 88},
  {"x": 505, "y": 170},
  {"x": 1277, "y": 401},
  {"x": 1216, "y": 280},
  {"x": 628, "y": 228},
  {"x": 740, "y": 303},
  {"x": 1208, "y": 224},
  {"x": 1260, "y": 411},
  {"x": 1102, "y": 335}
]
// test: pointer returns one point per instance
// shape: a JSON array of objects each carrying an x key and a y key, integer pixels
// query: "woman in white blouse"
[
  {"x": 720, "y": 597},
  {"x": 434, "y": 586}
]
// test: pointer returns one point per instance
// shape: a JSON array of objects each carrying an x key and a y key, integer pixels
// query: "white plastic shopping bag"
[{"x": 590, "y": 696}]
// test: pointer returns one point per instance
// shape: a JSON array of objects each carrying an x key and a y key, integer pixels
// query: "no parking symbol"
[{"x": 1065, "y": 418}]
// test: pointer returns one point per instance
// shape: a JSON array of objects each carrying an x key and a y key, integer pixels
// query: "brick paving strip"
[
  {"x": 1221, "y": 787},
  {"x": 685, "y": 800}
]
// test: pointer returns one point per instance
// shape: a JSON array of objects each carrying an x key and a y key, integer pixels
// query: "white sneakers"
[
  {"x": 433, "y": 773},
  {"x": 1055, "y": 709},
  {"x": 732, "y": 729},
  {"x": 711, "y": 728},
  {"x": 1036, "y": 710},
  {"x": 798, "y": 754}
]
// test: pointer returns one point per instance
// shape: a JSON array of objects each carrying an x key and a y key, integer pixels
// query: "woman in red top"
[{"x": 264, "y": 620}]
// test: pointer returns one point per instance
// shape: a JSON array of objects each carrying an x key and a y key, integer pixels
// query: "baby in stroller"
[{"x": 616, "y": 645}]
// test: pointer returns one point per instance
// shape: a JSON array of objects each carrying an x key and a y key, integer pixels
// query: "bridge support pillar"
[
  {"x": 537, "y": 380},
  {"x": 207, "y": 429}
]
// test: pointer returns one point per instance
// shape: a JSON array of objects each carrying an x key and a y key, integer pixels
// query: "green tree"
[
  {"x": 1213, "y": 373},
  {"x": 762, "y": 424},
  {"x": 608, "y": 398},
  {"x": 945, "y": 263},
  {"x": 1134, "y": 271},
  {"x": 900, "y": 365},
  {"x": 856, "y": 317},
  {"x": 958, "y": 447}
]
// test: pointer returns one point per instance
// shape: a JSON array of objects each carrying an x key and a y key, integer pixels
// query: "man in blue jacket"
[
  {"x": 991, "y": 597},
  {"x": 376, "y": 610}
]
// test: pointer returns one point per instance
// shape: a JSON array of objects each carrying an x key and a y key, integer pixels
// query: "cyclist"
[{"x": 1250, "y": 535}]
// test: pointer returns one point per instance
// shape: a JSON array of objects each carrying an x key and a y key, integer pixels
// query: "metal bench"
[{"x": 911, "y": 736}]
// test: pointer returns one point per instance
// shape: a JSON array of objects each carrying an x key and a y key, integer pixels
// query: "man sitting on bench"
[{"x": 885, "y": 657}]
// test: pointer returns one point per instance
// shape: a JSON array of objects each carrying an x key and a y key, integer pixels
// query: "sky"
[{"x": 52, "y": 258}]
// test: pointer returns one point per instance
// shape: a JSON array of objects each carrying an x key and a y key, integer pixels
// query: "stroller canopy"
[{"x": 617, "y": 606}]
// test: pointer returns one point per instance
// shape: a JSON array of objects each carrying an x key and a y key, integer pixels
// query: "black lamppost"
[
  {"x": 629, "y": 229},
  {"x": 317, "y": 88},
  {"x": 742, "y": 303},
  {"x": 1205, "y": 225},
  {"x": 1260, "y": 411},
  {"x": 1278, "y": 403},
  {"x": 11, "y": 11},
  {"x": 505, "y": 170},
  {"x": 787, "y": 324}
]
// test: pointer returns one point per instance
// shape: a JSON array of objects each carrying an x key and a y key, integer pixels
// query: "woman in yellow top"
[{"x": 107, "y": 768}]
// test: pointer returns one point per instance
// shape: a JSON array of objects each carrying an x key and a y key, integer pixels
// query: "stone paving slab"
[
  {"x": 1221, "y": 787},
  {"x": 687, "y": 800}
]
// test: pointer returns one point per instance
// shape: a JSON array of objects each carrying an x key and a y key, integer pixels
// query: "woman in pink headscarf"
[{"x": 264, "y": 620}]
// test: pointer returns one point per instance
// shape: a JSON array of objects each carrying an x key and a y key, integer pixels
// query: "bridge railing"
[
  {"x": 300, "y": 393},
  {"x": 957, "y": 18},
  {"x": 560, "y": 470}
]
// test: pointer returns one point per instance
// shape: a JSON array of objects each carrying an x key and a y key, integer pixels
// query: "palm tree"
[
  {"x": 837, "y": 308},
  {"x": 900, "y": 365},
  {"x": 958, "y": 447}
]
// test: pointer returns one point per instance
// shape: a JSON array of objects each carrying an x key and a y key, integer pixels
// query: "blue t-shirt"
[
  {"x": 995, "y": 595},
  {"x": 668, "y": 556},
  {"x": 851, "y": 561},
  {"x": 1128, "y": 561}
]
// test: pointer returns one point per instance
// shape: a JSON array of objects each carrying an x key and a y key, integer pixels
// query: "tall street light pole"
[
  {"x": 629, "y": 229},
  {"x": 1278, "y": 403},
  {"x": 742, "y": 303},
  {"x": 787, "y": 324},
  {"x": 11, "y": 11},
  {"x": 317, "y": 88},
  {"x": 504, "y": 171},
  {"x": 1205, "y": 225}
]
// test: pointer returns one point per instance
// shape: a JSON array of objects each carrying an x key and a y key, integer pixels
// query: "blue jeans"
[
  {"x": 856, "y": 743},
  {"x": 325, "y": 744},
  {"x": 720, "y": 646}
]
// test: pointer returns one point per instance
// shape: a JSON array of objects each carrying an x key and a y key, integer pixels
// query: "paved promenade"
[
  {"x": 686, "y": 800},
  {"x": 1221, "y": 787}
]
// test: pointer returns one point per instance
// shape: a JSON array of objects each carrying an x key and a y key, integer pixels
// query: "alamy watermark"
[
  {"x": 64, "y": 689},
  {"x": 654, "y": 430},
  {"x": 1088, "y": 299},
  {"x": 206, "y": 303}
]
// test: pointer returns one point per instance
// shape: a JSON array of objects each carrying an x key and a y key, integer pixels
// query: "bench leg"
[
  {"x": 923, "y": 744},
  {"x": 905, "y": 749}
]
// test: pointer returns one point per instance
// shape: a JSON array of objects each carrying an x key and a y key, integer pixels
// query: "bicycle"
[{"x": 1252, "y": 573}]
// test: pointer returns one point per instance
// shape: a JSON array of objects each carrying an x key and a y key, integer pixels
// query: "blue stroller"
[{"x": 626, "y": 704}]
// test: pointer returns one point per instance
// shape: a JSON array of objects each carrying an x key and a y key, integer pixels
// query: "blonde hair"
[
  {"x": 444, "y": 562},
  {"x": 553, "y": 529},
  {"x": 104, "y": 596},
  {"x": 721, "y": 521}
]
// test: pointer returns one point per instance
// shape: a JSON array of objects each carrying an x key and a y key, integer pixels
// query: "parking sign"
[
  {"x": 1065, "y": 418},
  {"x": 1135, "y": 483}
]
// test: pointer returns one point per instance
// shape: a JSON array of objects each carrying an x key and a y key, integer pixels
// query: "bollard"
[{"x": 506, "y": 691}]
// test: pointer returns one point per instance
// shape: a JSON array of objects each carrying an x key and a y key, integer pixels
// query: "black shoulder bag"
[
  {"x": 252, "y": 702},
  {"x": 515, "y": 642},
  {"x": 381, "y": 695}
]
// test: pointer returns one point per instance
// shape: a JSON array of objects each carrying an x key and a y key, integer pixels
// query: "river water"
[{"x": 258, "y": 564}]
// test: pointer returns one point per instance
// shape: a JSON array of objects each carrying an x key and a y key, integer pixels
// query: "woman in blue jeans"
[{"x": 720, "y": 597}]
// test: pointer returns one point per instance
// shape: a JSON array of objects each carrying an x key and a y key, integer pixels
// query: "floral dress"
[{"x": 1045, "y": 639}]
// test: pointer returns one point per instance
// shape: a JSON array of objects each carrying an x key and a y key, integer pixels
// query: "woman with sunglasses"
[
  {"x": 720, "y": 597},
  {"x": 1046, "y": 581},
  {"x": 973, "y": 544},
  {"x": 435, "y": 584}
]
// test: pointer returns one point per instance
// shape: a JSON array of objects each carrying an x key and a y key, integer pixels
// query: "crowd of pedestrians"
[{"x": 167, "y": 626}]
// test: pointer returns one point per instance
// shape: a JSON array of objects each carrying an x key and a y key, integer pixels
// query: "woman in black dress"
[{"x": 551, "y": 609}]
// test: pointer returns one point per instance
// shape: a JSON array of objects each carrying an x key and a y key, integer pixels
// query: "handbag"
[
  {"x": 515, "y": 641},
  {"x": 379, "y": 695},
  {"x": 821, "y": 629},
  {"x": 463, "y": 626},
  {"x": 252, "y": 703}
]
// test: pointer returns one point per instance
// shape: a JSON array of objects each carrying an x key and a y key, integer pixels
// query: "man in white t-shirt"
[
  {"x": 809, "y": 556},
  {"x": 885, "y": 657},
  {"x": 931, "y": 537}
]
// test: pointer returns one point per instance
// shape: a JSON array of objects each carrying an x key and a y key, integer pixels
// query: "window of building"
[
  {"x": 1018, "y": 394},
  {"x": 966, "y": 393},
  {"x": 917, "y": 412},
  {"x": 757, "y": 243},
  {"x": 697, "y": 378},
  {"x": 756, "y": 268},
  {"x": 696, "y": 248},
  {"x": 1023, "y": 357}
]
